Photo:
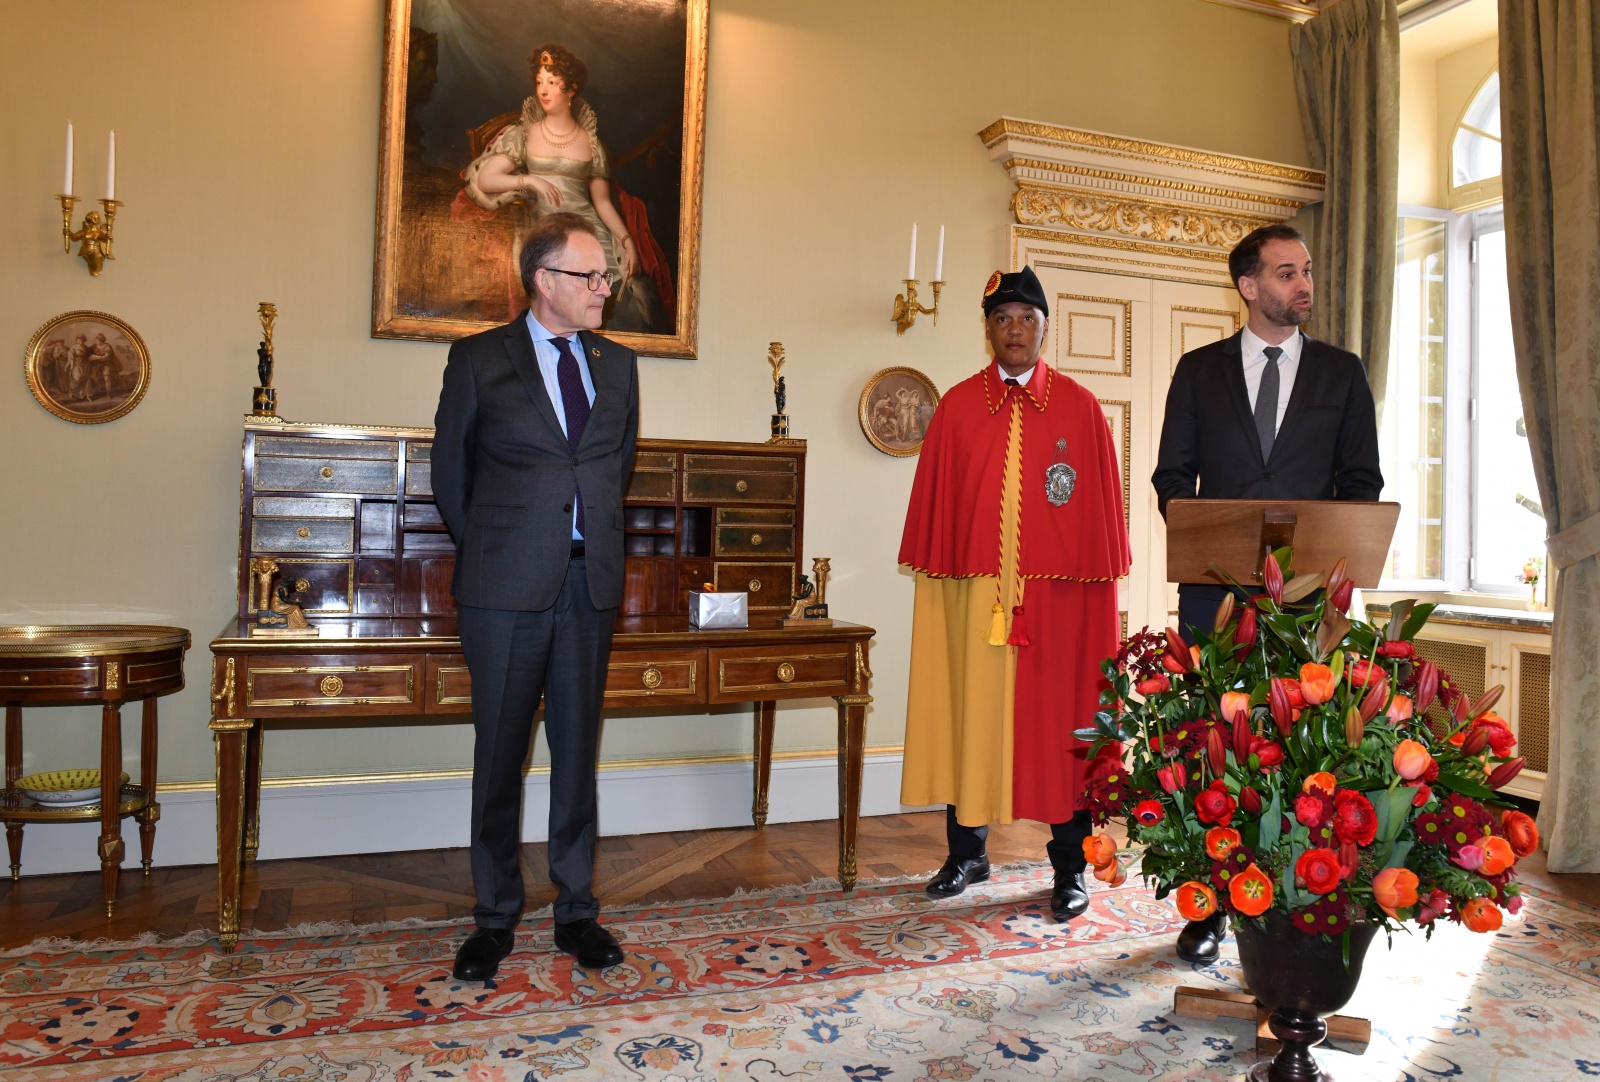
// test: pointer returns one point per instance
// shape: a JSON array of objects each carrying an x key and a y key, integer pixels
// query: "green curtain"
[
  {"x": 1347, "y": 68},
  {"x": 1549, "y": 79}
]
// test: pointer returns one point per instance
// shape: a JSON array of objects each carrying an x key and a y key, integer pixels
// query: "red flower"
[
  {"x": 1215, "y": 806},
  {"x": 1339, "y": 596},
  {"x": 1318, "y": 870},
  {"x": 1395, "y": 888},
  {"x": 1310, "y": 809},
  {"x": 1172, "y": 778},
  {"x": 1297, "y": 694},
  {"x": 1399, "y": 648},
  {"x": 1196, "y": 901},
  {"x": 1349, "y": 856},
  {"x": 1481, "y": 915},
  {"x": 1148, "y": 812},
  {"x": 1251, "y": 892},
  {"x": 1272, "y": 578},
  {"x": 1364, "y": 673},
  {"x": 1501, "y": 739},
  {"x": 1316, "y": 682},
  {"x": 1268, "y": 753},
  {"x": 1423, "y": 795},
  {"x": 1220, "y": 841},
  {"x": 1501, "y": 775},
  {"x": 1250, "y": 801},
  {"x": 1245, "y": 634},
  {"x": 1520, "y": 832},
  {"x": 1427, "y": 680},
  {"x": 1153, "y": 685},
  {"x": 1434, "y": 906},
  {"x": 1354, "y": 819}
]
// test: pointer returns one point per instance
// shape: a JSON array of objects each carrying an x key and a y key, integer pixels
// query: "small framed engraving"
[
  {"x": 896, "y": 406},
  {"x": 87, "y": 367}
]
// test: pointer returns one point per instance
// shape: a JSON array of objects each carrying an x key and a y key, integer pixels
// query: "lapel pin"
[{"x": 595, "y": 352}]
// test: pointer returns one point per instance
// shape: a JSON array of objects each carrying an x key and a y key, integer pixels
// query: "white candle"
[
  {"x": 66, "y": 185},
  {"x": 911, "y": 272},
  {"x": 111, "y": 167},
  {"x": 938, "y": 264}
]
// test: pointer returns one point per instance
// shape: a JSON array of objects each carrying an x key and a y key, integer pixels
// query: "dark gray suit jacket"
[
  {"x": 504, "y": 477},
  {"x": 1326, "y": 447}
]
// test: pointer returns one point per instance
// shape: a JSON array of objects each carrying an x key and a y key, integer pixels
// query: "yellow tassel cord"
[{"x": 997, "y": 626}]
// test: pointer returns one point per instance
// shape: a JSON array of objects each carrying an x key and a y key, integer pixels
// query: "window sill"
[{"x": 1508, "y": 617}]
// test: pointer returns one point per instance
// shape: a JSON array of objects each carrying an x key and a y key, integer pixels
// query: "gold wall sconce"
[
  {"x": 906, "y": 307},
  {"x": 95, "y": 234}
]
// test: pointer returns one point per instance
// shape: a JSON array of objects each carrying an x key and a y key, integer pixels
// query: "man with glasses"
[{"x": 535, "y": 436}]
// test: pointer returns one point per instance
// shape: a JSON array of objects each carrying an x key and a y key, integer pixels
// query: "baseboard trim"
[{"x": 338, "y": 818}]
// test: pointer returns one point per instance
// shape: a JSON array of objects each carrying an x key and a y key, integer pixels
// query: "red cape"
[{"x": 953, "y": 521}]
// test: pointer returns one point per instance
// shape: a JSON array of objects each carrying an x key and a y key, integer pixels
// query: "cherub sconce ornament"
[{"x": 95, "y": 234}]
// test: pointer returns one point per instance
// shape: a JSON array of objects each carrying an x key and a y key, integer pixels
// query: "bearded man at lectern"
[{"x": 1267, "y": 414}]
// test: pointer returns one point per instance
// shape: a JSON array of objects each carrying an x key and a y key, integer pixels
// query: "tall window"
[{"x": 1453, "y": 440}]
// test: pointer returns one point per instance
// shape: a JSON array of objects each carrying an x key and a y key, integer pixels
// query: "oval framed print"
[
  {"x": 896, "y": 406},
  {"x": 87, "y": 367}
]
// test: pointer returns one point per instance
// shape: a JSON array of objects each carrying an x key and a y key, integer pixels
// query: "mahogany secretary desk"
[{"x": 348, "y": 514}]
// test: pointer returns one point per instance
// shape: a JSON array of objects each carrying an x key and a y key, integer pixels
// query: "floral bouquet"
[{"x": 1289, "y": 760}]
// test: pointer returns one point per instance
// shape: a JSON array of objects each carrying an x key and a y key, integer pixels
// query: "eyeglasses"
[{"x": 594, "y": 277}]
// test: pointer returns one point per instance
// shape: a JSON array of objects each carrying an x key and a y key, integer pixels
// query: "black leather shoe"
[
  {"x": 589, "y": 943},
  {"x": 480, "y": 956},
  {"x": 956, "y": 874},
  {"x": 1070, "y": 898},
  {"x": 1200, "y": 939}
]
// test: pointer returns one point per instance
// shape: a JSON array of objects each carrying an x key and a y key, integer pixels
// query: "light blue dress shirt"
[{"x": 545, "y": 352}]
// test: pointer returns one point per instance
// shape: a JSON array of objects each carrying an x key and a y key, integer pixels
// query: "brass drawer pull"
[
  {"x": 785, "y": 672},
  {"x": 331, "y": 686},
  {"x": 651, "y": 678},
  {"x": 755, "y": 539},
  {"x": 302, "y": 532},
  {"x": 755, "y": 586},
  {"x": 327, "y": 471},
  {"x": 741, "y": 485}
]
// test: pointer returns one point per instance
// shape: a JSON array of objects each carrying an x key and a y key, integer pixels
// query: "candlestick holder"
[
  {"x": 906, "y": 306},
  {"x": 93, "y": 236}
]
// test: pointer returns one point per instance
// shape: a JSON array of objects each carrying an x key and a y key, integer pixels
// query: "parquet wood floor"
[{"x": 436, "y": 884}]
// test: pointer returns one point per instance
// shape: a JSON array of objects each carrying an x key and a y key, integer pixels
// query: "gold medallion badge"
[{"x": 994, "y": 284}]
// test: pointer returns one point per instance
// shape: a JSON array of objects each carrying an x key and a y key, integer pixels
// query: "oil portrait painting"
[{"x": 496, "y": 112}]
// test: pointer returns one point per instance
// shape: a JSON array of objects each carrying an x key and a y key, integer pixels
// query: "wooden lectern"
[{"x": 1236, "y": 535}]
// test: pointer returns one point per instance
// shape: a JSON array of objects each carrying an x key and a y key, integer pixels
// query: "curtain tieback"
[{"x": 1576, "y": 543}]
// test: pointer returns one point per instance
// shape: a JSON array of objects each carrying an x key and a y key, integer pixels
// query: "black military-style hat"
[{"x": 1022, "y": 286}]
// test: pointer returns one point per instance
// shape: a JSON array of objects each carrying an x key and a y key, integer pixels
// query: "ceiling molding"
[{"x": 1293, "y": 11}]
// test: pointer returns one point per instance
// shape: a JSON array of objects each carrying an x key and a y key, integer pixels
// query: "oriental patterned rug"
[{"x": 797, "y": 984}]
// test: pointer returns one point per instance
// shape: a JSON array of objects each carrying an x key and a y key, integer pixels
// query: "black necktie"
[
  {"x": 574, "y": 402},
  {"x": 1267, "y": 402},
  {"x": 1011, "y": 381}
]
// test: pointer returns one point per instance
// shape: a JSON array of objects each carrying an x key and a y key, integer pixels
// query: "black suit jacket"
[
  {"x": 504, "y": 476},
  {"x": 1326, "y": 447}
]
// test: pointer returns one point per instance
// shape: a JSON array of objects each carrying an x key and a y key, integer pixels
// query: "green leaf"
[
  {"x": 1272, "y": 822},
  {"x": 1397, "y": 618},
  {"x": 1344, "y": 949},
  {"x": 1336, "y": 665},
  {"x": 1086, "y": 735},
  {"x": 1454, "y": 781},
  {"x": 1416, "y": 618},
  {"x": 1398, "y": 801},
  {"x": 1397, "y": 855}
]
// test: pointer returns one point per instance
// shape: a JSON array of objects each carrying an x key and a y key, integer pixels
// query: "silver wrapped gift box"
[{"x": 725, "y": 608}]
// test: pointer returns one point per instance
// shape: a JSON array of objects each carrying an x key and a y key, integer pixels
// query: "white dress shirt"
[
  {"x": 1253, "y": 351},
  {"x": 549, "y": 357},
  {"x": 1022, "y": 380}
]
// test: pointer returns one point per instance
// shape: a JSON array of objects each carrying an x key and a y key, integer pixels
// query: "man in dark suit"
[
  {"x": 535, "y": 437},
  {"x": 1268, "y": 414}
]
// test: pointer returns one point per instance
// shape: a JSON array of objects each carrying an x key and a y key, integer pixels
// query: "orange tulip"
[
  {"x": 1113, "y": 873},
  {"x": 1322, "y": 781},
  {"x": 1251, "y": 891},
  {"x": 1411, "y": 760},
  {"x": 1497, "y": 855},
  {"x": 1196, "y": 901},
  {"x": 1481, "y": 915},
  {"x": 1395, "y": 888},
  {"x": 1099, "y": 850},
  {"x": 1235, "y": 705},
  {"x": 1317, "y": 683},
  {"x": 1220, "y": 841},
  {"x": 1399, "y": 708},
  {"x": 1520, "y": 831}
]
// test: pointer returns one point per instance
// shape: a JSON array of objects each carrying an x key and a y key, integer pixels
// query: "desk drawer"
[
  {"x": 449, "y": 685},
  {"x": 740, "y": 479},
  {"x": 755, "y": 541},
  {"x": 82, "y": 677},
  {"x": 804, "y": 670},
  {"x": 328, "y": 474},
  {"x": 770, "y": 586},
  {"x": 353, "y": 684},
  {"x": 651, "y": 677},
  {"x": 302, "y": 535}
]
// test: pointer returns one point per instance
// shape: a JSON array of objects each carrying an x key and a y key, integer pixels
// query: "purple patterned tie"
[{"x": 574, "y": 402}]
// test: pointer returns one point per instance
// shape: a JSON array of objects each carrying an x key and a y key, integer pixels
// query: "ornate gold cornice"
[
  {"x": 1198, "y": 191},
  {"x": 1170, "y": 251},
  {"x": 1123, "y": 146},
  {"x": 1041, "y": 205}
]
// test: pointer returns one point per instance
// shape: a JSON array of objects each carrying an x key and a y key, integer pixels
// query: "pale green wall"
[{"x": 247, "y": 142}]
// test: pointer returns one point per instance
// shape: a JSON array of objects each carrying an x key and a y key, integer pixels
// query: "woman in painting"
[{"x": 552, "y": 159}]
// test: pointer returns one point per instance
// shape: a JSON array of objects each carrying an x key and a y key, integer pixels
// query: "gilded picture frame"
[
  {"x": 455, "y": 75},
  {"x": 87, "y": 367},
  {"x": 895, "y": 408}
]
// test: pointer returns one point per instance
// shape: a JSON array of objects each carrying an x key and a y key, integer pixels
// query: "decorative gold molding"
[
  {"x": 1075, "y": 209},
  {"x": 224, "y": 694},
  {"x": 1127, "y": 455},
  {"x": 862, "y": 671},
  {"x": 1169, "y": 250},
  {"x": 1281, "y": 9},
  {"x": 1127, "y": 333},
  {"x": 1121, "y": 146},
  {"x": 1292, "y": 205}
]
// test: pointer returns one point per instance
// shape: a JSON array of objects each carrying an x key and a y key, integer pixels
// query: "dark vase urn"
[{"x": 1301, "y": 978}]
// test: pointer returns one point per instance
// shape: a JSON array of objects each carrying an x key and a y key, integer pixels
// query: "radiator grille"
[
  {"x": 1467, "y": 665},
  {"x": 1533, "y": 708}
]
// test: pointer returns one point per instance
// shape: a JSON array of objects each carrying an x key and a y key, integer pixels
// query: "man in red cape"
[{"x": 1017, "y": 535}]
